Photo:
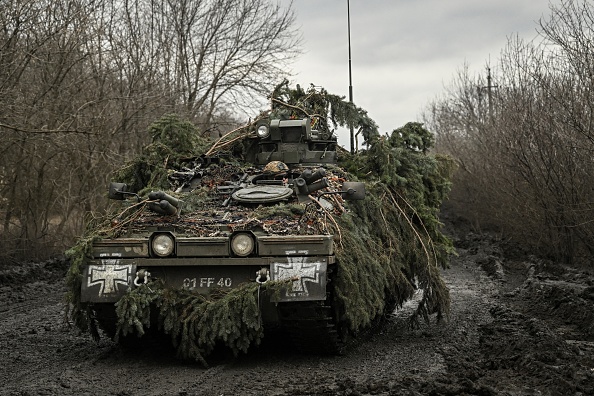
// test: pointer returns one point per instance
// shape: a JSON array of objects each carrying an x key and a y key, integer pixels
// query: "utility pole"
[
  {"x": 489, "y": 96},
  {"x": 350, "y": 74},
  {"x": 490, "y": 87}
]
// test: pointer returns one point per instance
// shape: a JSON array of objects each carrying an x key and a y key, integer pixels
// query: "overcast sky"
[{"x": 404, "y": 51}]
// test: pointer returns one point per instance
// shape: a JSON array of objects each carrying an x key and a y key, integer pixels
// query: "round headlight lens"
[
  {"x": 242, "y": 245},
  {"x": 263, "y": 131},
  {"x": 163, "y": 245}
]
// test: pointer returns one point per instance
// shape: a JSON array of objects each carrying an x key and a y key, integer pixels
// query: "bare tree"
[
  {"x": 83, "y": 79},
  {"x": 528, "y": 170},
  {"x": 207, "y": 55}
]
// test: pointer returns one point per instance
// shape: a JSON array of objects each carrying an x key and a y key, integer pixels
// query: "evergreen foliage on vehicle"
[
  {"x": 197, "y": 323},
  {"x": 396, "y": 235},
  {"x": 387, "y": 246},
  {"x": 321, "y": 106},
  {"x": 79, "y": 254},
  {"x": 172, "y": 140}
]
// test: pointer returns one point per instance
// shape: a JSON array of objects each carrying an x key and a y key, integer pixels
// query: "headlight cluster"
[
  {"x": 242, "y": 245},
  {"x": 263, "y": 131},
  {"x": 163, "y": 245}
]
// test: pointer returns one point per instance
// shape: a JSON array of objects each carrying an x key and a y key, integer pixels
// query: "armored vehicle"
[
  {"x": 267, "y": 220},
  {"x": 263, "y": 230}
]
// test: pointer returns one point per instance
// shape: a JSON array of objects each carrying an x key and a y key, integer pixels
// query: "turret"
[{"x": 294, "y": 141}]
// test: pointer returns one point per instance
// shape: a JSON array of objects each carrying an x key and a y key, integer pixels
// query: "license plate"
[{"x": 205, "y": 278}]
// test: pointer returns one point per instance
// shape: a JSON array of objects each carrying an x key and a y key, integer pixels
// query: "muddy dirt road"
[{"x": 519, "y": 326}]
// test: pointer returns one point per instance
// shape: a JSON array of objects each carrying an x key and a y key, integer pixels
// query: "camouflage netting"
[{"x": 387, "y": 245}]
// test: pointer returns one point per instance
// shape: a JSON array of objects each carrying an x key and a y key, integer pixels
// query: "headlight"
[
  {"x": 242, "y": 245},
  {"x": 163, "y": 245},
  {"x": 263, "y": 131}
]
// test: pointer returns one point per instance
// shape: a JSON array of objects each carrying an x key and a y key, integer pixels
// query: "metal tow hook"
[
  {"x": 142, "y": 277},
  {"x": 262, "y": 276}
]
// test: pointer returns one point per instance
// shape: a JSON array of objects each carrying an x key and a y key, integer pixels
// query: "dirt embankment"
[{"x": 518, "y": 326}]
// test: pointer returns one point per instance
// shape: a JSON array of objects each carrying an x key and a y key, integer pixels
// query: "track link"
[{"x": 311, "y": 327}]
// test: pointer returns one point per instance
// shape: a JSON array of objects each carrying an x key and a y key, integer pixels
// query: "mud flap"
[{"x": 309, "y": 276}]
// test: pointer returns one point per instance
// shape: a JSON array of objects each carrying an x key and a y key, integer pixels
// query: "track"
[{"x": 311, "y": 327}]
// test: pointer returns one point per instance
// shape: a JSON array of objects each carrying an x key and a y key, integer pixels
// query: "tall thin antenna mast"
[{"x": 350, "y": 73}]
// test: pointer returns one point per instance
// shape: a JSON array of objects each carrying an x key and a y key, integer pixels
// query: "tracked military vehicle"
[
  {"x": 215, "y": 243},
  {"x": 266, "y": 222}
]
